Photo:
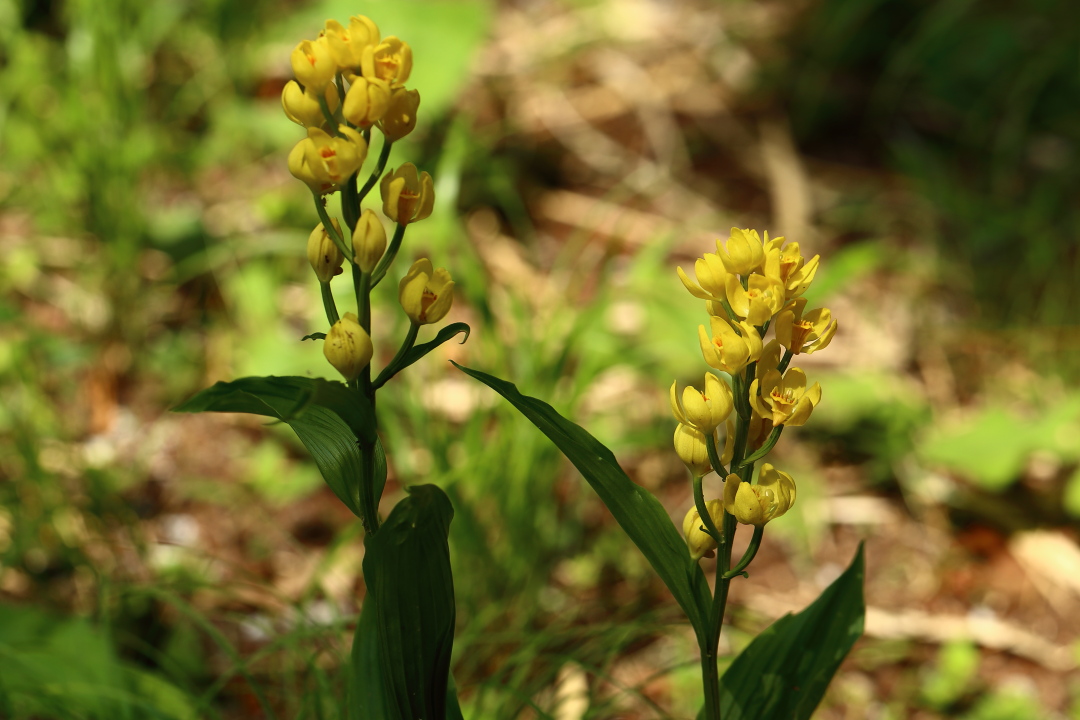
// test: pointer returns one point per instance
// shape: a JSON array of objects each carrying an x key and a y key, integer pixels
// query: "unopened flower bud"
[
  {"x": 348, "y": 347},
  {"x": 369, "y": 241},
  {"x": 313, "y": 65},
  {"x": 366, "y": 102},
  {"x": 701, "y": 543},
  {"x": 323, "y": 253},
  {"x": 691, "y": 449},
  {"x": 302, "y": 106}
]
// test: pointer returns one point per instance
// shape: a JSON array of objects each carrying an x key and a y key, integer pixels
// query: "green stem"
[
  {"x": 714, "y": 455},
  {"x": 391, "y": 252},
  {"x": 369, "y": 504},
  {"x": 782, "y": 367},
  {"x": 331, "y": 230},
  {"x": 764, "y": 450},
  {"x": 710, "y": 676},
  {"x": 340, "y": 82},
  {"x": 390, "y": 370},
  {"x": 380, "y": 165},
  {"x": 748, "y": 556},
  {"x": 330, "y": 119},
  {"x": 350, "y": 204},
  {"x": 703, "y": 512},
  {"x": 328, "y": 303}
]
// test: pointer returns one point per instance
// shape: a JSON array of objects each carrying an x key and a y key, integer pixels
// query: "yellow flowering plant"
[
  {"x": 750, "y": 287},
  {"x": 349, "y": 91}
]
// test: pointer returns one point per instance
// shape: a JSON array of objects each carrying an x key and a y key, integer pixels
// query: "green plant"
[{"x": 749, "y": 286}]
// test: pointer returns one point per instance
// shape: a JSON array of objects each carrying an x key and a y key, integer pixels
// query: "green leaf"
[
  {"x": 637, "y": 511},
  {"x": 419, "y": 351},
  {"x": 406, "y": 642},
  {"x": 314, "y": 336},
  {"x": 783, "y": 673},
  {"x": 328, "y": 417}
]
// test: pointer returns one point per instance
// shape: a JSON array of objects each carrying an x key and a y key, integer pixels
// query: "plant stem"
[
  {"x": 380, "y": 164},
  {"x": 391, "y": 252},
  {"x": 703, "y": 512},
  {"x": 390, "y": 370},
  {"x": 330, "y": 229},
  {"x": 328, "y": 303}
]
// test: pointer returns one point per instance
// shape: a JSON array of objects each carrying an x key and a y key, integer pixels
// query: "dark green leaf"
[
  {"x": 367, "y": 688},
  {"x": 407, "y": 571},
  {"x": 328, "y": 417},
  {"x": 783, "y": 673},
  {"x": 638, "y": 512},
  {"x": 314, "y": 336},
  {"x": 419, "y": 351}
]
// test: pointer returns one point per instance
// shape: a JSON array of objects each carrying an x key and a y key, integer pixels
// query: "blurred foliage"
[
  {"x": 976, "y": 103},
  {"x": 150, "y": 242}
]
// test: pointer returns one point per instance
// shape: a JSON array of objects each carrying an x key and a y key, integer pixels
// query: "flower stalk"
[{"x": 749, "y": 286}]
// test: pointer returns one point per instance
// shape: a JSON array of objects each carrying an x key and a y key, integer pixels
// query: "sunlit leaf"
[
  {"x": 637, "y": 511},
  {"x": 783, "y": 673}
]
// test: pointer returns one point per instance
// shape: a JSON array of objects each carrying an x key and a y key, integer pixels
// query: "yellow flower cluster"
[
  {"x": 750, "y": 285},
  {"x": 347, "y": 81}
]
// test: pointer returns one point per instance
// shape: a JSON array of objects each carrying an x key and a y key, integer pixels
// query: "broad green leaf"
[
  {"x": 367, "y": 689},
  {"x": 637, "y": 511},
  {"x": 453, "y": 707},
  {"x": 783, "y": 673},
  {"x": 328, "y": 417},
  {"x": 407, "y": 571},
  {"x": 419, "y": 351}
]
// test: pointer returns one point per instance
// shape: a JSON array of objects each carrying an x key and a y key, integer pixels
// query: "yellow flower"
[
  {"x": 771, "y": 497},
  {"x": 704, "y": 411},
  {"x": 426, "y": 294},
  {"x": 744, "y": 252},
  {"x": 786, "y": 264},
  {"x": 701, "y": 543},
  {"x": 366, "y": 101},
  {"x": 368, "y": 240},
  {"x": 804, "y": 333},
  {"x": 727, "y": 349},
  {"x": 691, "y": 449},
  {"x": 323, "y": 254},
  {"x": 407, "y": 196},
  {"x": 348, "y": 347},
  {"x": 390, "y": 60},
  {"x": 302, "y": 106},
  {"x": 762, "y": 298},
  {"x": 769, "y": 360},
  {"x": 347, "y": 46},
  {"x": 400, "y": 117},
  {"x": 313, "y": 65},
  {"x": 325, "y": 162},
  {"x": 785, "y": 399},
  {"x": 712, "y": 276}
]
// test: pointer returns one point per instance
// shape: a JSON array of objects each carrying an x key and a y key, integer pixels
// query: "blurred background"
[{"x": 152, "y": 242}]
